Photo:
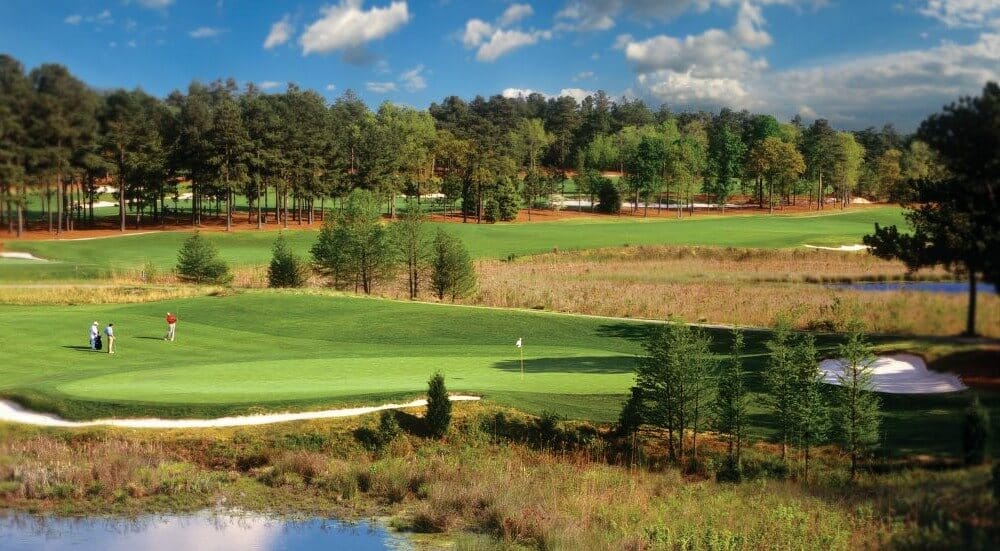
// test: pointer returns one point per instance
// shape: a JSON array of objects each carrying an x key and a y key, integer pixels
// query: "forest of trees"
[{"x": 61, "y": 140}]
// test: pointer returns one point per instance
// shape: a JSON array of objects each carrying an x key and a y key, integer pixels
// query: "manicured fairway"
[
  {"x": 83, "y": 259},
  {"x": 265, "y": 351}
]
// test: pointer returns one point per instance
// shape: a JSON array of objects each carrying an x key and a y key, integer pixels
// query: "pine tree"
[
  {"x": 198, "y": 261},
  {"x": 857, "y": 405},
  {"x": 410, "y": 234},
  {"x": 286, "y": 270},
  {"x": 779, "y": 380},
  {"x": 731, "y": 407},
  {"x": 452, "y": 272},
  {"x": 438, "y": 406},
  {"x": 812, "y": 415},
  {"x": 354, "y": 247}
]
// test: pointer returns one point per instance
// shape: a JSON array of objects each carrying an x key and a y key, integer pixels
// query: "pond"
[
  {"x": 218, "y": 532},
  {"x": 945, "y": 287}
]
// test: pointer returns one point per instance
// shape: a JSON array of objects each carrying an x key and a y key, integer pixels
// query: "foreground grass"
[
  {"x": 273, "y": 351},
  {"x": 103, "y": 257},
  {"x": 495, "y": 482}
]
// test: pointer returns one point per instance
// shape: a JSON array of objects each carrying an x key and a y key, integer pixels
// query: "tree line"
[{"x": 289, "y": 153}]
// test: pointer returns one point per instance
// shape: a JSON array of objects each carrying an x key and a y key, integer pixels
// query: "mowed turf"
[
  {"x": 267, "y": 351},
  {"x": 83, "y": 259}
]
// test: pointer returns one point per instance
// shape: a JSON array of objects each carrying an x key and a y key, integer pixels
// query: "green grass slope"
[
  {"x": 84, "y": 259},
  {"x": 264, "y": 351}
]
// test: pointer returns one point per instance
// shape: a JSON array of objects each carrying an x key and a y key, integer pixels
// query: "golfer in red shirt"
[{"x": 171, "y": 327}]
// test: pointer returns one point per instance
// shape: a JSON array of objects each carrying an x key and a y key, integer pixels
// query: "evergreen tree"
[
  {"x": 609, "y": 198},
  {"x": 410, "y": 235},
  {"x": 975, "y": 433},
  {"x": 857, "y": 404},
  {"x": 812, "y": 416},
  {"x": 198, "y": 261},
  {"x": 286, "y": 270},
  {"x": 354, "y": 247},
  {"x": 631, "y": 415},
  {"x": 731, "y": 406},
  {"x": 504, "y": 203},
  {"x": 452, "y": 272},
  {"x": 438, "y": 406},
  {"x": 780, "y": 382}
]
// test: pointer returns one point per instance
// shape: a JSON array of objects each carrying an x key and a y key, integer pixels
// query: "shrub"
[
  {"x": 975, "y": 433},
  {"x": 609, "y": 198},
  {"x": 286, "y": 270},
  {"x": 388, "y": 427},
  {"x": 438, "y": 406},
  {"x": 198, "y": 261}
]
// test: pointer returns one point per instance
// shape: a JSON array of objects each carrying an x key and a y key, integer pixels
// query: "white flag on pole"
[{"x": 518, "y": 343}]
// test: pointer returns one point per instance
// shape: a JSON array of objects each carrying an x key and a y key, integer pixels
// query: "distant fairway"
[
  {"x": 86, "y": 259},
  {"x": 267, "y": 351}
]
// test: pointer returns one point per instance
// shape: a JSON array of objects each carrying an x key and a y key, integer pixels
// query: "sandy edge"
[
  {"x": 21, "y": 256},
  {"x": 14, "y": 413},
  {"x": 899, "y": 374},
  {"x": 849, "y": 248}
]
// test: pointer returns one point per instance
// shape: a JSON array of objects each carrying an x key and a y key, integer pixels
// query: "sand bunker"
[
  {"x": 850, "y": 248},
  {"x": 899, "y": 374},
  {"x": 14, "y": 413},
  {"x": 21, "y": 256}
]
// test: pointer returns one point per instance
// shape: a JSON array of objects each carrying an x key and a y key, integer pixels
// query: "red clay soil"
[{"x": 39, "y": 230}]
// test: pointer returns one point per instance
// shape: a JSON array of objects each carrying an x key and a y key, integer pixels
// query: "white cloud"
[
  {"x": 103, "y": 18},
  {"x": 280, "y": 32},
  {"x": 330, "y": 87},
  {"x": 578, "y": 94},
  {"x": 964, "y": 13},
  {"x": 747, "y": 30},
  {"x": 112, "y": 44},
  {"x": 205, "y": 32},
  {"x": 476, "y": 31},
  {"x": 503, "y": 42},
  {"x": 347, "y": 26},
  {"x": 74, "y": 19},
  {"x": 269, "y": 85},
  {"x": 132, "y": 44},
  {"x": 599, "y": 15},
  {"x": 515, "y": 13},
  {"x": 622, "y": 40},
  {"x": 414, "y": 80},
  {"x": 155, "y": 4},
  {"x": 381, "y": 87},
  {"x": 584, "y": 75}
]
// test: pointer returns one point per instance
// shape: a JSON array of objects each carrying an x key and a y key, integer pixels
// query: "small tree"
[
  {"x": 812, "y": 416},
  {"x": 452, "y": 272},
  {"x": 630, "y": 417},
  {"x": 609, "y": 197},
  {"x": 779, "y": 380},
  {"x": 438, "y": 406},
  {"x": 975, "y": 433},
  {"x": 286, "y": 270},
  {"x": 857, "y": 404},
  {"x": 410, "y": 234},
  {"x": 354, "y": 247},
  {"x": 731, "y": 407},
  {"x": 198, "y": 261}
]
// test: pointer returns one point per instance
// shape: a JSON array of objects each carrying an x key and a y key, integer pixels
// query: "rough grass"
[
  {"x": 489, "y": 489},
  {"x": 734, "y": 286}
]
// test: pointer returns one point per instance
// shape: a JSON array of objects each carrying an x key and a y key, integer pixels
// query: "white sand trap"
[
  {"x": 899, "y": 374},
  {"x": 14, "y": 413},
  {"x": 848, "y": 248},
  {"x": 21, "y": 256}
]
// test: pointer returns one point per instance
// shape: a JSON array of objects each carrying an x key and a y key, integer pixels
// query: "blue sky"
[{"x": 856, "y": 62}]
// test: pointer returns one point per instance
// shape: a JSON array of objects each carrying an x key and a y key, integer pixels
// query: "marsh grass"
[
  {"x": 490, "y": 488},
  {"x": 112, "y": 293}
]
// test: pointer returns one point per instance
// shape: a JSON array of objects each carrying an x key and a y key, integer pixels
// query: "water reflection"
[
  {"x": 207, "y": 531},
  {"x": 946, "y": 287}
]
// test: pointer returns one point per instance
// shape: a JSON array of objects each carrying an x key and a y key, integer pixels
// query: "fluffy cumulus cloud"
[
  {"x": 414, "y": 79},
  {"x": 515, "y": 13},
  {"x": 494, "y": 40},
  {"x": 205, "y": 32},
  {"x": 269, "y": 85},
  {"x": 964, "y": 13},
  {"x": 578, "y": 94},
  {"x": 155, "y": 4},
  {"x": 599, "y": 15},
  {"x": 74, "y": 19},
  {"x": 281, "y": 32},
  {"x": 101, "y": 19},
  {"x": 381, "y": 87},
  {"x": 348, "y": 26}
]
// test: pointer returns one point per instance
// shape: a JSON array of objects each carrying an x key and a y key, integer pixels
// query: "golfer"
[
  {"x": 171, "y": 327},
  {"x": 95, "y": 331},
  {"x": 110, "y": 332}
]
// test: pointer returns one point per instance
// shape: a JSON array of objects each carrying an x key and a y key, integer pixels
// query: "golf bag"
[{"x": 97, "y": 343}]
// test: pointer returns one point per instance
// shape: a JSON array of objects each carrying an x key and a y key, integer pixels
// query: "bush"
[
  {"x": 729, "y": 471},
  {"x": 388, "y": 427},
  {"x": 975, "y": 433},
  {"x": 438, "y": 406},
  {"x": 198, "y": 261},
  {"x": 507, "y": 201},
  {"x": 286, "y": 270},
  {"x": 609, "y": 198}
]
